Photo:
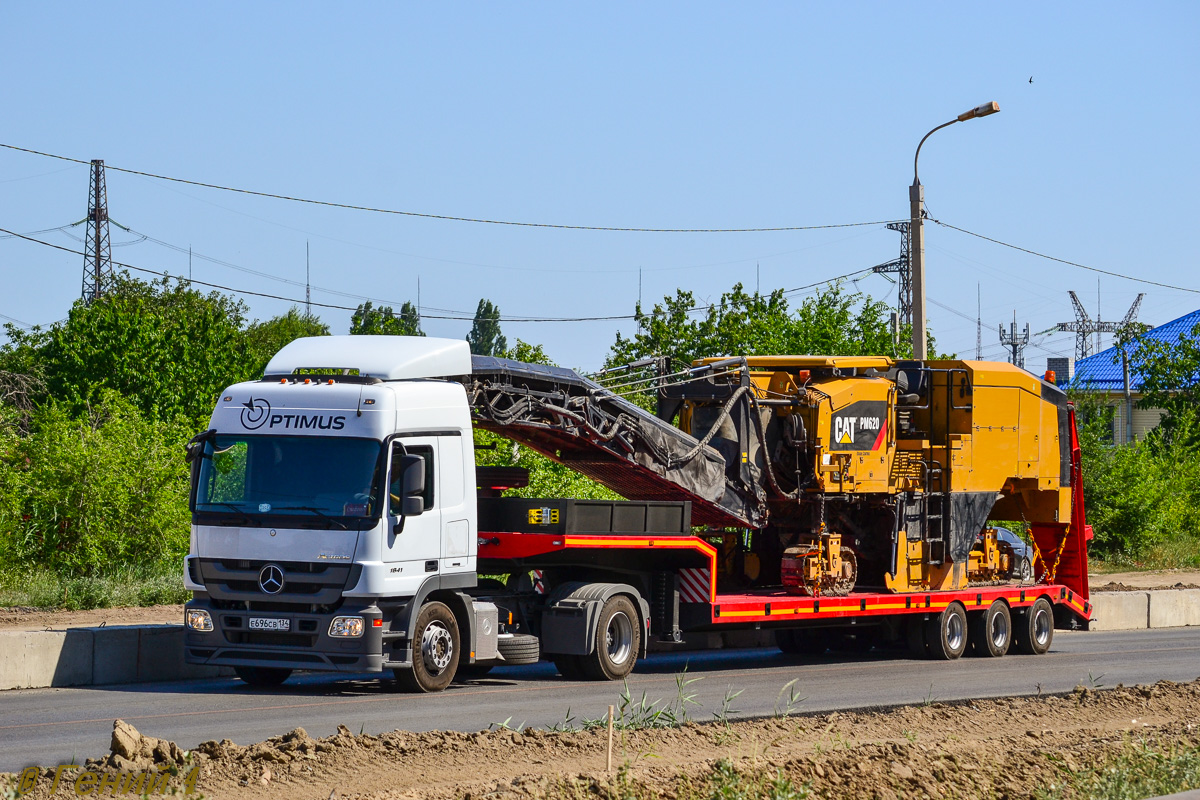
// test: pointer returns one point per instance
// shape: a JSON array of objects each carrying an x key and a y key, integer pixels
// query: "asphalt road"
[{"x": 51, "y": 726}]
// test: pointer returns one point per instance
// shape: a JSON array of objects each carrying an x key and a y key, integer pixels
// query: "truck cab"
[{"x": 330, "y": 501}]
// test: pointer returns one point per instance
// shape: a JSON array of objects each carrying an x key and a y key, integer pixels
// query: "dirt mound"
[
  {"x": 1124, "y": 587},
  {"x": 1006, "y": 748},
  {"x": 28, "y": 618}
]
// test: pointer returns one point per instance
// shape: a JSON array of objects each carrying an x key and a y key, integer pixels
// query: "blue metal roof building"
[{"x": 1103, "y": 371}]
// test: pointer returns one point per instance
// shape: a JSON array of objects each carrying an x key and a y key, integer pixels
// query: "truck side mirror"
[{"x": 412, "y": 486}]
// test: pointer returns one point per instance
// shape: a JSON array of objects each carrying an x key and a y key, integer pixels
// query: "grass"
[
  {"x": 123, "y": 586},
  {"x": 1180, "y": 553},
  {"x": 1137, "y": 771}
]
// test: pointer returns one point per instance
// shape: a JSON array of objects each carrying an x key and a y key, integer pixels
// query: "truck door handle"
[{"x": 431, "y": 566}]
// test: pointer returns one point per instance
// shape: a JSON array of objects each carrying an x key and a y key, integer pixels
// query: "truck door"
[
  {"x": 418, "y": 542},
  {"x": 456, "y": 517}
]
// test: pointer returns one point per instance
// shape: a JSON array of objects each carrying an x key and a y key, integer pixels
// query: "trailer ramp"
[{"x": 579, "y": 423}]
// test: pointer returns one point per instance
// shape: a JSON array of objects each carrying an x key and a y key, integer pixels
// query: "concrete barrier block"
[
  {"x": 1174, "y": 608},
  {"x": 1120, "y": 611},
  {"x": 35, "y": 659},
  {"x": 115, "y": 654},
  {"x": 160, "y": 656}
]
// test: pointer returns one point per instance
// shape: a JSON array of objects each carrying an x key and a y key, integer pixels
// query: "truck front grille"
[{"x": 307, "y": 587}]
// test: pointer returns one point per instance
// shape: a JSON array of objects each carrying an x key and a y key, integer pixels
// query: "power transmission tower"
[
  {"x": 97, "y": 258},
  {"x": 1016, "y": 344},
  {"x": 903, "y": 268},
  {"x": 1084, "y": 326}
]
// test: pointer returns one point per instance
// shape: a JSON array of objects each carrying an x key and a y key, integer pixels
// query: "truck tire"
[
  {"x": 520, "y": 648},
  {"x": 435, "y": 651},
  {"x": 262, "y": 676},
  {"x": 991, "y": 631},
  {"x": 1033, "y": 630},
  {"x": 946, "y": 633},
  {"x": 618, "y": 641}
]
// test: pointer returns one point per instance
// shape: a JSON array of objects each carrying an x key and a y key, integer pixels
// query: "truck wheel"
[
  {"x": 991, "y": 631},
  {"x": 1034, "y": 628},
  {"x": 520, "y": 648},
  {"x": 435, "y": 651},
  {"x": 262, "y": 676},
  {"x": 946, "y": 633},
  {"x": 618, "y": 640}
]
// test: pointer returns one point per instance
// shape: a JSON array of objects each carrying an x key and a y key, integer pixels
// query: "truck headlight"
[
  {"x": 349, "y": 627},
  {"x": 198, "y": 619}
]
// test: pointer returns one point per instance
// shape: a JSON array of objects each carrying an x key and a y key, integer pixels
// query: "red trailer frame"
[{"x": 1060, "y": 567}]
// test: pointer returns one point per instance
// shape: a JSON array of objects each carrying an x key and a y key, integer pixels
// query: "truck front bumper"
[{"x": 306, "y": 644}]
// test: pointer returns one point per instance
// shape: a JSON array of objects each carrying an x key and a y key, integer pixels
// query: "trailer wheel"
[
  {"x": 618, "y": 640},
  {"x": 262, "y": 676},
  {"x": 946, "y": 633},
  {"x": 1034, "y": 628},
  {"x": 435, "y": 651},
  {"x": 991, "y": 631}
]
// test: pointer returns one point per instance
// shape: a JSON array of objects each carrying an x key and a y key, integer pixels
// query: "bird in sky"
[{"x": 1031, "y": 79}]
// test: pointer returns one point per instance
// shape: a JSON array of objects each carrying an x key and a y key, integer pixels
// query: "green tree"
[
  {"x": 831, "y": 322},
  {"x": 83, "y": 495},
  {"x": 485, "y": 337},
  {"x": 168, "y": 348},
  {"x": 384, "y": 321},
  {"x": 1170, "y": 373},
  {"x": 264, "y": 339}
]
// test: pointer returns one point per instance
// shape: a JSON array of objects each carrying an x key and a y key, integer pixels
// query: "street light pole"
[{"x": 916, "y": 232}]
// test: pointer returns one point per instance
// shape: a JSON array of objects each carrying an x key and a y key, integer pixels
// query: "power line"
[
  {"x": 448, "y": 217},
  {"x": 1063, "y": 260},
  {"x": 296, "y": 301}
]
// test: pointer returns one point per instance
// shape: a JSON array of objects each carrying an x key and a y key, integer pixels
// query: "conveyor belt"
[{"x": 597, "y": 433}]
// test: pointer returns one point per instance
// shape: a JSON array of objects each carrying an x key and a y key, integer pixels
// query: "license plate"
[{"x": 270, "y": 624}]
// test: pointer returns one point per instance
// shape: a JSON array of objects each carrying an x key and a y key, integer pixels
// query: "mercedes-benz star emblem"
[{"x": 270, "y": 579}]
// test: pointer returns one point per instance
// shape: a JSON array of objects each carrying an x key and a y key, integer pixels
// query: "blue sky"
[{"x": 632, "y": 115}]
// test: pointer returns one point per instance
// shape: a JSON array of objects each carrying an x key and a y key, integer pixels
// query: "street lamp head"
[{"x": 979, "y": 111}]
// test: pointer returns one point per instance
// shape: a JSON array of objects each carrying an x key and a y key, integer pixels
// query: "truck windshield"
[{"x": 328, "y": 479}]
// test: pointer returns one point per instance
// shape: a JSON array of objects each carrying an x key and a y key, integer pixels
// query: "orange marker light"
[{"x": 376, "y": 623}]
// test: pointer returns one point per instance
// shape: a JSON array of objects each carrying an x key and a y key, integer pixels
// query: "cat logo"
[{"x": 543, "y": 516}]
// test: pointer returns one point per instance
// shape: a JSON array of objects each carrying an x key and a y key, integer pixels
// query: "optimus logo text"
[{"x": 256, "y": 413}]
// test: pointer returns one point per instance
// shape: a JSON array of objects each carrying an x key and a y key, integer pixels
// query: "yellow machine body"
[{"x": 906, "y": 460}]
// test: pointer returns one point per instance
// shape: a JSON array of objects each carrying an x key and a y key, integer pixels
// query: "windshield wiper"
[
  {"x": 314, "y": 510},
  {"x": 246, "y": 520}
]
